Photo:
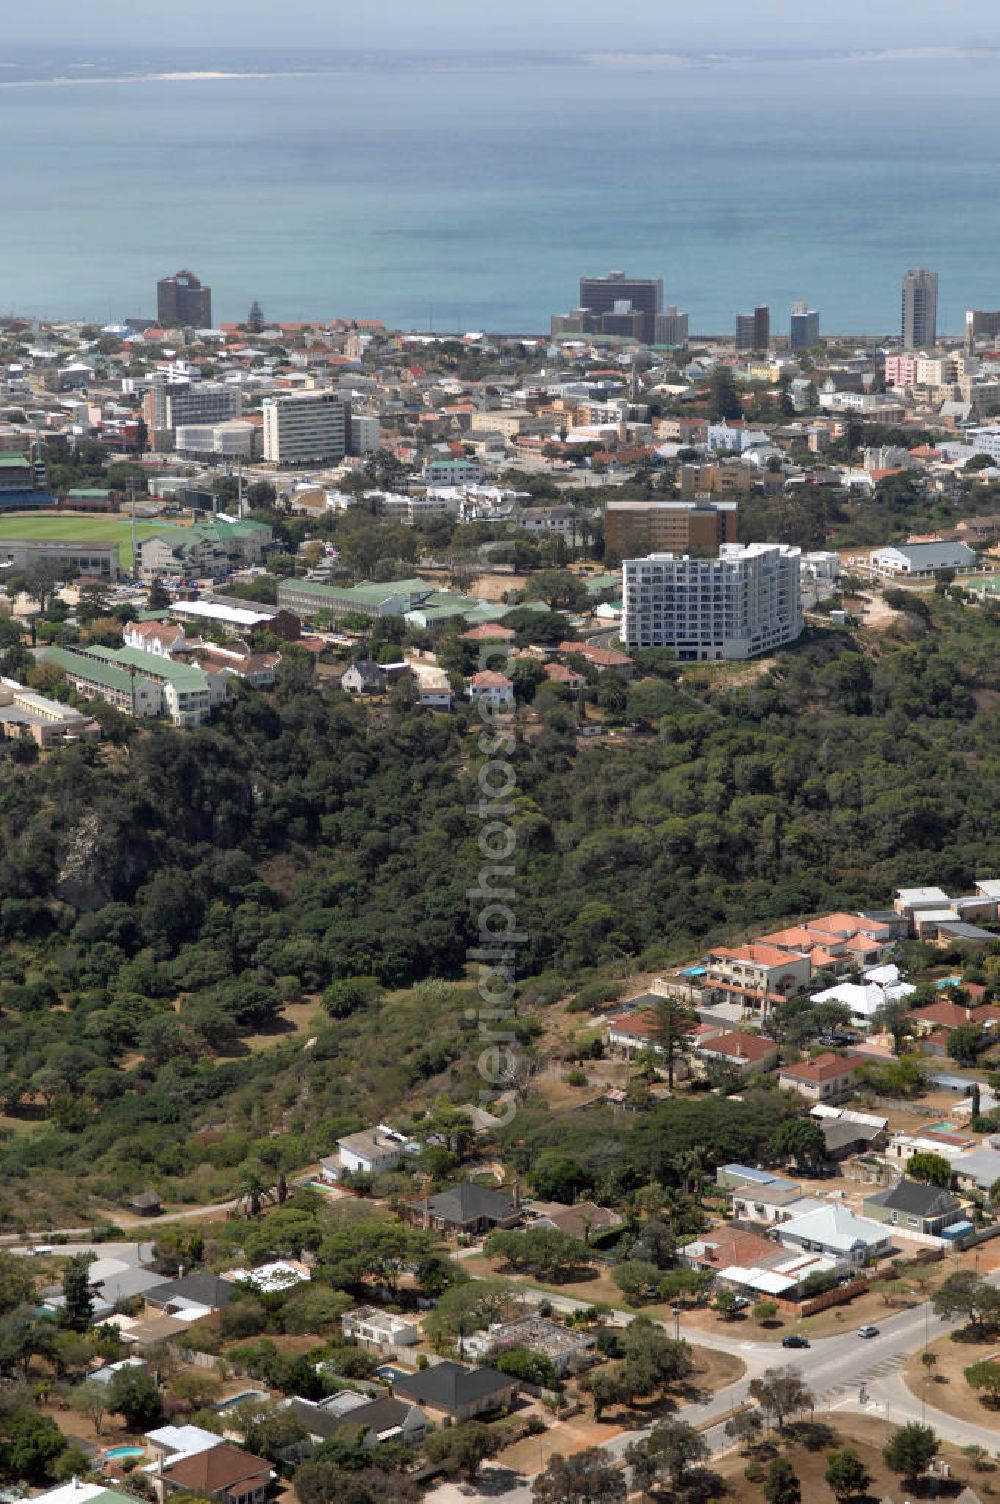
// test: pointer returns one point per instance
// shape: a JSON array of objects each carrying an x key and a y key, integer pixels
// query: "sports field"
[
  {"x": 83, "y": 527},
  {"x": 982, "y": 584}
]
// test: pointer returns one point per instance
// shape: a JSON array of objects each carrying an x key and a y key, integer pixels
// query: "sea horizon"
[{"x": 413, "y": 186}]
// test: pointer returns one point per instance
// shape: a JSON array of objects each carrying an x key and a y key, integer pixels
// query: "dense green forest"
[{"x": 164, "y": 897}]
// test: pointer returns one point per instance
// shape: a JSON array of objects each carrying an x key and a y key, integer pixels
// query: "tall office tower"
[
  {"x": 306, "y": 427},
  {"x": 671, "y": 327},
  {"x": 747, "y": 601},
  {"x": 643, "y": 294},
  {"x": 981, "y": 323},
  {"x": 920, "y": 294},
  {"x": 633, "y": 528},
  {"x": 804, "y": 327},
  {"x": 753, "y": 330},
  {"x": 181, "y": 301}
]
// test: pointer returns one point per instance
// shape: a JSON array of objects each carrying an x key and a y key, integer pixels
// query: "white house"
[
  {"x": 496, "y": 689},
  {"x": 373, "y": 1151},
  {"x": 378, "y": 1330},
  {"x": 838, "y": 1233}
]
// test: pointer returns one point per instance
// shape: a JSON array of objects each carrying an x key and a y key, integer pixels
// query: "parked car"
[
  {"x": 794, "y": 1340},
  {"x": 867, "y": 1331}
]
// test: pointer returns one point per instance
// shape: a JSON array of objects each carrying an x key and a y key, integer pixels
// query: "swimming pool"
[
  {"x": 694, "y": 971},
  {"x": 949, "y": 982},
  {"x": 241, "y": 1398},
  {"x": 117, "y": 1453},
  {"x": 391, "y": 1372},
  {"x": 943, "y": 1127}
]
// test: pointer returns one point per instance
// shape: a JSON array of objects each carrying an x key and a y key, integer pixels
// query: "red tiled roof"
[
  {"x": 758, "y": 954},
  {"x": 738, "y": 1045},
  {"x": 487, "y": 679},
  {"x": 216, "y": 1469},
  {"x": 825, "y": 1067},
  {"x": 489, "y": 632}
]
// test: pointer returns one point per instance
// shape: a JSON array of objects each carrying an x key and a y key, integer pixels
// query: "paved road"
[{"x": 835, "y": 1368}]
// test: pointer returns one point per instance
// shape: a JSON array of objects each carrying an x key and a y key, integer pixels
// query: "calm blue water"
[{"x": 473, "y": 192}]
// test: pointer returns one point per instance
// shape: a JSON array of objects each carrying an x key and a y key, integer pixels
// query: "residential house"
[
  {"x": 375, "y": 1421},
  {"x": 373, "y": 1151},
  {"x": 746, "y": 1053},
  {"x": 489, "y": 631},
  {"x": 161, "y": 638},
  {"x": 724, "y": 1245},
  {"x": 201, "y": 1292},
  {"x": 145, "y": 1204},
  {"x": 224, "y": 1472},
  {"x": 769, "y": 1204},
  {"x": 465, "y": 1208},
  {"x": 270, "y": 1279},
  {"x": 378, "y": 1330},
  {"x": 837, "y": 1233},
  {"x": 583, "y": 1221},
  {"x": 909, "y": 1205},
  {"x": 825, "y": 1078},
  {"x": 496, "y": 689},
  {"x": 363, "y": 677},
  {"x": 567, "y": 678},
  {"x": 757, "y": 975},
  {"x": 848, "y": 1135},
  {"x": 734, "y": 1177},
  {"x": 603, "y": 659},
  {"x": 565, "y": 1347},
  {"x": 458, "y": 1392}
]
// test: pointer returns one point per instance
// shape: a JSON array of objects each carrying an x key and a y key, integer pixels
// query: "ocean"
[{"x": 463, "y": 192}]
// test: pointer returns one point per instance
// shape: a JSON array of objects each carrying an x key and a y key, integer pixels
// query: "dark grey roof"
[
  {"x": 958, "y": 930},
  {"x": 917, "y": 1200},
  {"x": 838, "y": 1133},
  {"x": 203, "y": 1288},
  {"x": 468, "y": 1202},
  {"x": 449, "y": 1385},
  {"x": 381, "y": 1415}
]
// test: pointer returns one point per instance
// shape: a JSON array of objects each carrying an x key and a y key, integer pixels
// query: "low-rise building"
[
  {"x": 914, "y": 1207},
  {"x": 825, "y": 1078},
  {"x": 132, "y": 693},
  {"x": 466, "y": 1208},
  {"x": 496, "y": 689},
  {"x": 565, "y": 1347},
  {"x": 378, "y": 1330},
  {"x": 920, "y": 561},
  {"x": 758, "y": 974},
  {"x": 26, "y": 715},
  {"x": 837, "y": 1233},
  {"x": 458, "y": 1392},
  {"x": 739, "y": 1051}
]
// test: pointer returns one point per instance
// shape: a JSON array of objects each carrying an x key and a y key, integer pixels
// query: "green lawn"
[{"x": 83, "y": 527}]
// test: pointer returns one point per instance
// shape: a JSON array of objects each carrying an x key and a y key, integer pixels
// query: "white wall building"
[
  {"x": 745, "y": 602},
  {"x": 235, "y": 440},
  {"x": 304, "y": 428}
]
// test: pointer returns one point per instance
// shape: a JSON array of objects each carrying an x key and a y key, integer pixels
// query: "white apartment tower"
[
  {"x": 305, "y": 428},
  {"x": 745, "y": 602}
]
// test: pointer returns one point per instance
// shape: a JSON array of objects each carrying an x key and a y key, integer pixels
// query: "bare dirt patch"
[
  {"x": 944, "y": 1385},
  {"x": 866, "y": 1435}
]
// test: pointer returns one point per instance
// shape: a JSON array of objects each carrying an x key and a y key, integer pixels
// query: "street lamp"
[{"x": 677, "y": 1323}]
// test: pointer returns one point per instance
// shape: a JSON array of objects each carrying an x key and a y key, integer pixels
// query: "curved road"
[{"x": 835, "y": 1368}]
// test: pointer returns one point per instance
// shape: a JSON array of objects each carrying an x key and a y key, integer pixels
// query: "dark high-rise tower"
[
  {"x": 753, "y": 330},
  {"x": 182, "y": 301},
  {"x": 618, "y": 294}
]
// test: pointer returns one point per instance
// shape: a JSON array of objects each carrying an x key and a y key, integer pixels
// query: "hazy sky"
[{"x": 628, "y": 25}]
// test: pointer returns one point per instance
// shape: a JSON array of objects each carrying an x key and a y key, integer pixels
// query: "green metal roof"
[
  {"x": 93, "y": 669},
  {"x": 180, "y": 675},
  {"x": 367, "y": 595},
  {"x": 102, "y": 491},
  {"x": 14, "y": 461}
]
